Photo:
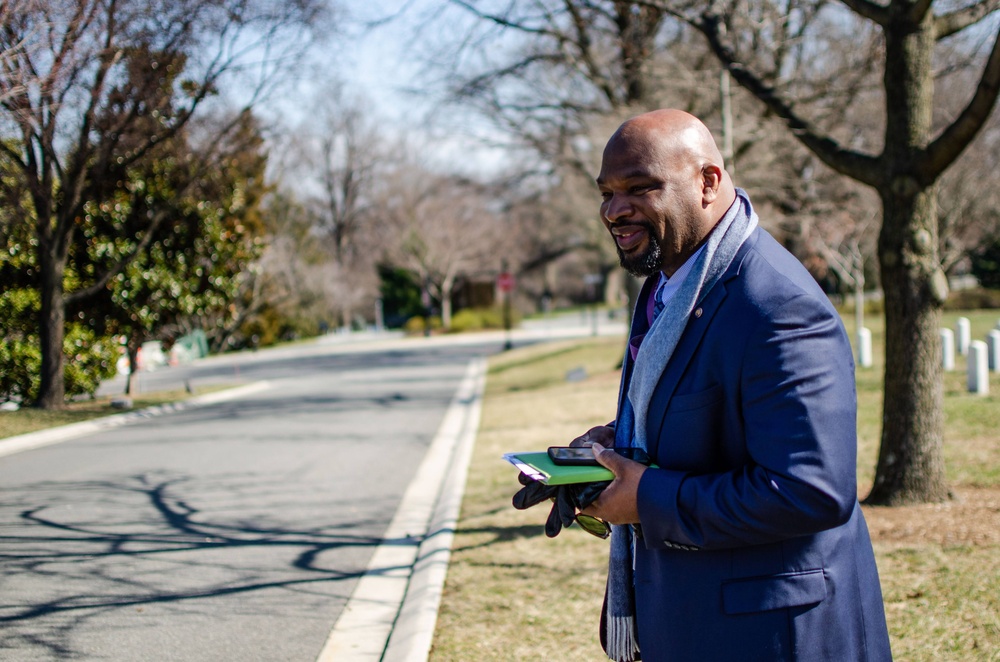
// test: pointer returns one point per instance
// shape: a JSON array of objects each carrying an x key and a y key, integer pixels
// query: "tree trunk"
[
  {"x": 132, "y": 348},
  {"x": 446, "y": 289},
  {"x": 425, "y": 300},
  {"x": 910, "y": 464},
  {"x": 51, "y": 329},
  {"x": 726, "y": 109},
  {"x": 859, "y": 301}
]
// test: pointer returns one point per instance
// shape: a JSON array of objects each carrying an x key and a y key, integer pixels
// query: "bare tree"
[
  {"x": 556, "y": 225},
  {"x": 443, "y": 229},
  {"x": 342, "y": 151},
  {"x": 848, "y": 247},
  {"x": 768, "y": 48},
  {"x": 278, "y": 289},
  {"x": 89, "y": 87},
  {"x": 553, "y": 78},
  {"x": 968, "y": 201},
  {"x": 819, "y": 68},
  {"x": 558, "y": 76},
  {"x": 339, "y": 153},
  {"x": 344, "y": 289},
  {"x": 560, "y": 64}
]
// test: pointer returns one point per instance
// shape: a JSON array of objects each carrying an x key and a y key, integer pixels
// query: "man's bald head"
[
  {"x": 673, "y": 133},
  {"x": 664, "y": 189}
]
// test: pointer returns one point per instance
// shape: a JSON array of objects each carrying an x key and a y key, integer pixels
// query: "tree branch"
[
  {"x": 862, "y": 167},
  {"x": 504, "y": 21},
  {"x": 102, "y": 281},
  {"x": 946, "y": 25},
  {"x": 917, "y": 9},
  {"x": 954, "y": 139},
  {"x": 872, "y": 11},
  {"x": 479, "y": 83},
  {"x": 584, "y": 44},
  {"x": 208, "y": 158},
  {"x": 14, "y": 156}
]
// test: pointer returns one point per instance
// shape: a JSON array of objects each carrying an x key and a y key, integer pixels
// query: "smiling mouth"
[{"x": 629, "y": 237}]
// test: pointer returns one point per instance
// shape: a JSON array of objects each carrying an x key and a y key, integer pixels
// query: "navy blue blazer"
[{"x": 753, "y": 544}]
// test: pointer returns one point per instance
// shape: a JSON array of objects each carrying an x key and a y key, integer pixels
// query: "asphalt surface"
[
  {"x": 240, "y": 529},
  {"x": 234, "y": 531}
]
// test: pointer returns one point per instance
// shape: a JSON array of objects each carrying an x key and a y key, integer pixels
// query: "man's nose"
[{"x": 617, "y": 208}]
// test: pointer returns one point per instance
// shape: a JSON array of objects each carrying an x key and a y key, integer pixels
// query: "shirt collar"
[{"x": 667, "y": 287}]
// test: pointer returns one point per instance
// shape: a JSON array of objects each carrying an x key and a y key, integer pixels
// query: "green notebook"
[{"x": 540, "y": 467}]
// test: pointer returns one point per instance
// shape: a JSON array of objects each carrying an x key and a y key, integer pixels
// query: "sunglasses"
[{"x": 594, "y": 526}]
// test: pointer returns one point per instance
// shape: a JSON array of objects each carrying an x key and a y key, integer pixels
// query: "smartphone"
[{"x": 583, "y": 456}]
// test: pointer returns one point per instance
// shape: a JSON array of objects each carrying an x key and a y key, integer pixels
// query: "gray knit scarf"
[{"x": 654, "y": 354}]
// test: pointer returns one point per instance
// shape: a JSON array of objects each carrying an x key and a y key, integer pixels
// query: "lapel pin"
[{"x": 697, "y": 312}]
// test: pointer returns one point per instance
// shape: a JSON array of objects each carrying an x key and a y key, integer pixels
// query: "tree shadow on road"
[{"x": 105, "y": 550}]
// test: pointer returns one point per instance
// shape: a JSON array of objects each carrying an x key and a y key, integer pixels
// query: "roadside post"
[{"x": 505, "y": 283}]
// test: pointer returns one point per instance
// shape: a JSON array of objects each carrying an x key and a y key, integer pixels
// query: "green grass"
[
  {"x": 29, "y": 419},
  {"x": 972, "y": 422},
  {"x": 514, "y": 594}
]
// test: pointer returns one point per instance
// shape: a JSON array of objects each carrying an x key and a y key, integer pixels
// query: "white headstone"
[
  {"x": 963, "y": 334},
  {"x": 993, "y": 349},
  {"x": 865, "y": 347},
  {"x": 979, "y": 374},
  {"x": 947, "y": 349}
]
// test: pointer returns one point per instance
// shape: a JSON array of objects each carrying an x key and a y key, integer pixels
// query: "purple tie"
[{"x": 658, "y": 300}]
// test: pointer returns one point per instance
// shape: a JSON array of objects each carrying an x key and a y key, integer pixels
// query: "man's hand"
[
  {"x": 618, "y": 502},
  {"x": 602, "y": 435}
]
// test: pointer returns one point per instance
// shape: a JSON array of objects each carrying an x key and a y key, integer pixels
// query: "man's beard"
[{"x": 646, "y": 263}]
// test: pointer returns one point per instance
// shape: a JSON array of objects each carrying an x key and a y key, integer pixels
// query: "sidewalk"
[
  {"x": 49, "y": 436},
  {"x": 392, "y": 613}
]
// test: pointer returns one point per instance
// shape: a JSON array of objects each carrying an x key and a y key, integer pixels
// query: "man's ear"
[{"x": 711, "y": 177}]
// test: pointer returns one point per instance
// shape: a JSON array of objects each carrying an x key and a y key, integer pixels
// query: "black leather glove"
[{"x": 568, "y": 500}]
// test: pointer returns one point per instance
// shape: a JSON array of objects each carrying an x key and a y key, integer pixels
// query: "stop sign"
[{"x": 505, "y": 281}]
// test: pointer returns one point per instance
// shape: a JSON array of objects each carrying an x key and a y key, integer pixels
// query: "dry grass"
[{"x": 512, "y": 593}]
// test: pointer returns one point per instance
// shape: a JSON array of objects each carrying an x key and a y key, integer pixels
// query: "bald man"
[{"x": 745, "y": 540}]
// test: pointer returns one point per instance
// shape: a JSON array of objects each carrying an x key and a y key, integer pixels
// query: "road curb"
[
  {"x": 56, "y": 435},
  {"x": 392, "y": 613}
]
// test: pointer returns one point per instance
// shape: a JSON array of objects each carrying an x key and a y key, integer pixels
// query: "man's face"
[{"x": 651, "y": 205}]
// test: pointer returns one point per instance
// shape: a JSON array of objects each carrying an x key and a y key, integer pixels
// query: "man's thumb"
[{"x": 607, "y": 458}]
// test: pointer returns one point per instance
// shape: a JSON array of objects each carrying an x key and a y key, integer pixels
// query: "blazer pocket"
[
  {"x": 689, "y": 429},
  {"x": 793, "y": 589},
  {"x": 689, "y": 401}
]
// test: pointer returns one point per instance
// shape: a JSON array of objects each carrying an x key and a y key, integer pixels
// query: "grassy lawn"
[
  {"x": 972, "y": 423},
  {"x": 514, "y": 594}
]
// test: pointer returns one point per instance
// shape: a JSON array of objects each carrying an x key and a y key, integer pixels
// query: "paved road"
[{"x": 230, "y": 532}]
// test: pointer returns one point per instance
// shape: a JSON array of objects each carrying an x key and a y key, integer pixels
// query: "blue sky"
[{"x": 381, "y": 66}]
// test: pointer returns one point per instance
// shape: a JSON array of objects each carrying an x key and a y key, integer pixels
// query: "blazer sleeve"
[{"x": 795, "y": 393}]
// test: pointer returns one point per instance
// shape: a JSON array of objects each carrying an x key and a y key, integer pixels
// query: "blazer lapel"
[
  {"x": 695, "y": 330},
  {"x": 640, "y": 325}
]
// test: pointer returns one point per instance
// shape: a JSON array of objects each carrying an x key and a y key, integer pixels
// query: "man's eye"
[
  {"x": 638, "y": 190},
  {"x": 605, "y": 195}
]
